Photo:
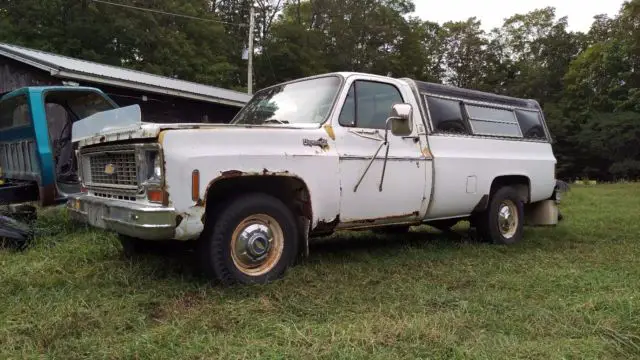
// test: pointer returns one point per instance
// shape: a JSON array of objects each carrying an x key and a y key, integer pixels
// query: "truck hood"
[{"x": 126, "y": 123}]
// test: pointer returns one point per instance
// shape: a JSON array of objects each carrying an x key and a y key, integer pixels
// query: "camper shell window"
[
  {"x": 446, "y": 115},
  {"x": 458, "y": 111},
  {"x": 493, "y": 121},
  {"x": 531, "y": 124}
]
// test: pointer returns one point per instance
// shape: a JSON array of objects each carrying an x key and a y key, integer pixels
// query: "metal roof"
[{"x": 81, "y": 70}]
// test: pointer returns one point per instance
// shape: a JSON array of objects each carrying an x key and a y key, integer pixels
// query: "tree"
[
  {"x": 465, "y": 53},
  {"x": 588, "y": 84}
]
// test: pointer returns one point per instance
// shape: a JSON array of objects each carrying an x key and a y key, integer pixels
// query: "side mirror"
[{"x": 401, "y": 120}]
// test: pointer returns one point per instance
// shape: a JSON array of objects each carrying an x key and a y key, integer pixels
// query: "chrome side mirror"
[{"x": 401, "y": 120}]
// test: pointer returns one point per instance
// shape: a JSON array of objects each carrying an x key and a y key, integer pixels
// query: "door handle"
[
  {"x": 367, "y": 132},
  {"x": 414, "y": 137}
]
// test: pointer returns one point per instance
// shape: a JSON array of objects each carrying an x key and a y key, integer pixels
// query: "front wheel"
[
  {"x": 503, "y": 221},
  {"x": 254, "y": 240}
]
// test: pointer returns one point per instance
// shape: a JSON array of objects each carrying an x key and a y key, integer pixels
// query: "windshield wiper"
[{"x": 276, "y": 121}]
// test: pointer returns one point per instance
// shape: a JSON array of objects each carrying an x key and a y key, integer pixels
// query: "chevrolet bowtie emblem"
[{"x": 110, "y": 169}]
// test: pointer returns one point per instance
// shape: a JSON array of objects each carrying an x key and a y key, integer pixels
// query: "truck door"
[{"x": 360, "y": 129}]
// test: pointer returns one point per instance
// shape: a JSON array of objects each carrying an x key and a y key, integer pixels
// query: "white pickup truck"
[{"x": 340, "y": 151}]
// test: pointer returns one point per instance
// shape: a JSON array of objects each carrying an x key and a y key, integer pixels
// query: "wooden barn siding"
[
  {"x": 157, "y": 108},
  {"x": 14, "y": 75},
  {"x": 169, "y": 109}
]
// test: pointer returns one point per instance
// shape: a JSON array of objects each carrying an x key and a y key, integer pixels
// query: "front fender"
[{"x": 219, "y": 153}]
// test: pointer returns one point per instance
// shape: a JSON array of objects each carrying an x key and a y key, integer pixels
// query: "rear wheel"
[
  {"x": 502, "y": 222},
  {"x": 254, "y": 240}
]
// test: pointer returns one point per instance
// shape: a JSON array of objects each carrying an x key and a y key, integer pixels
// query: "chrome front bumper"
[{"x": 140, "y": 221}]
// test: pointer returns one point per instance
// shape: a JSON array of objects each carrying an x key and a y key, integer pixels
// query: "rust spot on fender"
[
  {"x": 329, "y": 129},
  {"x": 228, "y": 174},
  {"x": 231, "y": 173},
  {"x": 325, "y": 227}
]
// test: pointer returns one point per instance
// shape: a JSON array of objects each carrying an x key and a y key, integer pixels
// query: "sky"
[{"x": 493, "y": 12}]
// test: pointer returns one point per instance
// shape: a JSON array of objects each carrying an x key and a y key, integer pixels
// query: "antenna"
[{"x": 250, "y": 54}]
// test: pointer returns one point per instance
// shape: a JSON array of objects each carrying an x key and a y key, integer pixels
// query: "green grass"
[{"x": 570, "y": 292}]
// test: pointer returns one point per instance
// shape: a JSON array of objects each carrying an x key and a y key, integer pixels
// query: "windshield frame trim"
[{"x": 314, "y": 125}]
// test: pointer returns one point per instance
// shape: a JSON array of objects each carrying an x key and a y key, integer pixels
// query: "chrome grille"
[
  {"x": 108, "y": 195},
  {"x": 113, "y": 169}
]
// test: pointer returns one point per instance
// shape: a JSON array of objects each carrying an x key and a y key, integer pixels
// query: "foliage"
[{"x": 582, "y": 80}]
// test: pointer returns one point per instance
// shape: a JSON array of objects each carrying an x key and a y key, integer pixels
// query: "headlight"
[
  {"x": 153, "y": 166},
  {"x": 157, "y": 166}
]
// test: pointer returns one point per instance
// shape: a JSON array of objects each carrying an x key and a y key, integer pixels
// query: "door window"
[{"x": 368, "y": 104}]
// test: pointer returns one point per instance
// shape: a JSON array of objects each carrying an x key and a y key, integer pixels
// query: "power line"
[
  {"x": 270, "y": 65},
  {"x": 167, "y": 13}
]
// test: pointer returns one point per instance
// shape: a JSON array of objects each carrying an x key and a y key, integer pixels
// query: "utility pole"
[{"x": 250, "y": 54}]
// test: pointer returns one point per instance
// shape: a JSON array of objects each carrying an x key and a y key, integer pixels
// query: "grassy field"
[{"x": 571, "y": 292}]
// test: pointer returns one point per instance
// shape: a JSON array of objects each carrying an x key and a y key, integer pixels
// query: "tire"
[
  {"x": 488, "y": 222},
  {"x": 255, "y": 260}
]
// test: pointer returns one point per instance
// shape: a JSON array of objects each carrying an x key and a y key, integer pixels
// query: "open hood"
[
  {"x": 126, "y": 123},
  {"x": 117, "y": 121},
  {"x": 120, "y": 124}
]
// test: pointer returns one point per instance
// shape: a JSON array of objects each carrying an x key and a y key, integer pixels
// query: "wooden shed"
[{"x": 162, "y": 99}]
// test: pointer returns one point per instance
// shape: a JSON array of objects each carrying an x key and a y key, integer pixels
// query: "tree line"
[{"x": 587, "y": 82}]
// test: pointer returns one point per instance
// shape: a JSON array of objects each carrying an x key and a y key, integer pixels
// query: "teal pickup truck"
[{"x": 37, "y": 156}]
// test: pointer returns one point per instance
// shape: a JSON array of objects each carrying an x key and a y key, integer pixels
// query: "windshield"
[
  {"x": 82, "y": 103},
  {"x": 301, "y": 102}
]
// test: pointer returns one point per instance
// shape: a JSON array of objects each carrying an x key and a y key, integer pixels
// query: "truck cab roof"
[{"x": 42, "y": 89}]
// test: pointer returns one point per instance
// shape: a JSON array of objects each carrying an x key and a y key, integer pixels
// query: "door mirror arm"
[{"x": 401, "y": 125}]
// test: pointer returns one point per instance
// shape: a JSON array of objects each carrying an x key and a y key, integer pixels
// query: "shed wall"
[{"x": 156, "y": 107}]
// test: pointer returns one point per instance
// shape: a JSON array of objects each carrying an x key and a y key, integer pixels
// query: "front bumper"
[{"x": 140, "y": 221}]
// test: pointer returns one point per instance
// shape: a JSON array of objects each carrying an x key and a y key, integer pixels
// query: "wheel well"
[
  {"x": 292, "y": 191},
  {"x": 521, "y": 183}
]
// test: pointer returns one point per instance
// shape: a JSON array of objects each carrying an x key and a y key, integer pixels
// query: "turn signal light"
[
  {"x": 156, "y": 196},
  {"x": 195, "y": 185}
]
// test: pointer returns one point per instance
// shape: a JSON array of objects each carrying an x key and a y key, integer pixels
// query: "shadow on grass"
[
  {"x": 369, "y": 241},
  {"x": 178, "y": 261}
]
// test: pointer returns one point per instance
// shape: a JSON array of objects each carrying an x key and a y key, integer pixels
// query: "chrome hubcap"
[
  {"x": 508, "y": 218},
  {"x": 257, "y": 244},
  {"x": 255, "y": 241}
]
